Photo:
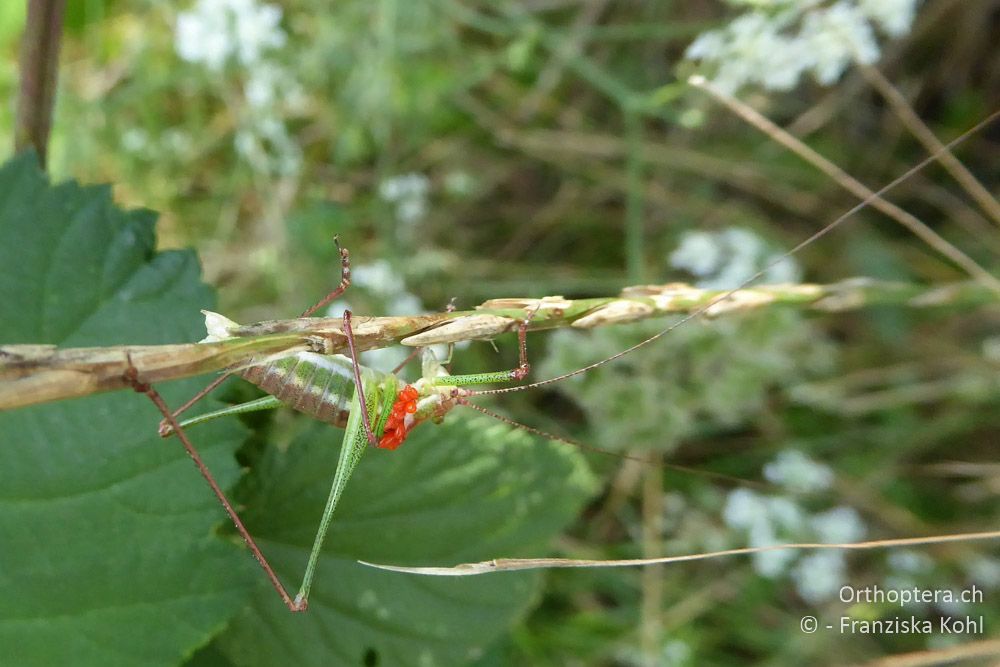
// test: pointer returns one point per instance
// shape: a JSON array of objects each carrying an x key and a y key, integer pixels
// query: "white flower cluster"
[
  {"x": 217, "y": 33},
  {"x": 409, "y": 194},
  {"x": 727, "y": 259},
  {"x": 779, "y": 41},
  {"x": 797, "y": 472},
  {"x": 214, "y": 31},
  {"x": 770, "y": 520}
]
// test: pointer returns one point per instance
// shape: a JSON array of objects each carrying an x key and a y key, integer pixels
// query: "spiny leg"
[
  {"x": 345, "y": 282},
  {"x": 513, "y": 375},
  {"x": 524, "y": 367},
  {"x": 131, "y": 376}
]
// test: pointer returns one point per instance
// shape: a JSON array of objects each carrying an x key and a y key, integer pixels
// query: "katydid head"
[
  {"x": 427, "y": 398},
  {"x": 414, "y": 404}
]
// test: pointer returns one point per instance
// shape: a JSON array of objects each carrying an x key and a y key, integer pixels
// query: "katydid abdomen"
[{"x": 320, "y": 386}]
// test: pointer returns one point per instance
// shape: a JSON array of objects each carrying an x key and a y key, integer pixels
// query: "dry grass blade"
[
  {"x": 851, "y": 184},
  {"x": 515, "y": 564},
  {"x": 31, "y": 374}
]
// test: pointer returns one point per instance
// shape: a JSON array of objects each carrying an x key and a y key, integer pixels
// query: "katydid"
[{"x": 376, "y": 408}]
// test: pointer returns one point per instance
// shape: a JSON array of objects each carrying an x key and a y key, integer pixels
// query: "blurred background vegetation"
[{"x": 475, "y": 150}]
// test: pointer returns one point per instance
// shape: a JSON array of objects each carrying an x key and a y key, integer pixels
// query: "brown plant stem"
[
  {"x": 31, "y": 374},
  {"x": 39, "y": 75}
]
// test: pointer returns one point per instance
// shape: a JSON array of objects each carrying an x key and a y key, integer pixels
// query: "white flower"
[
  {"x": 404, "y": 303},
  {"x": 781, "y": 269},
  {"x": 835, "y": 37},
  {"x": 838, "y": 526},
  {"x": 404, "y": 186},
  {"x": 728, "y": 258},
  {"x": 752, "y": 48},
  {"x": 894, "y": 16},
  {"x": 257, "y": 29},
  {"x": 698, "y": 253},
  {"x": 135, "y": 139},
  {"x": 409, "y": 193},
  {"x": 985, "y": 571},
  {"x": 797, "y": 472},
  {"x": 177, "y": 141},
  {"x": 818, "y": 576},
  {"x": 410, "y": 211},
  {"x": 785, "y": 514},
  {"x": 379, "y": 277},
  {"x": 743, "y": 507},
  {"x": 675, "y": 653},
  {"x": 907, "y": 561},
  {"x": 202, "y": 35},
  {"x": 768, "y": 563},
  {"x": 213, "y": 31},
  {"x": 261, "y": 88},
  {"x": 777, "y": 41},
  {"x": 248, "y": 145}
]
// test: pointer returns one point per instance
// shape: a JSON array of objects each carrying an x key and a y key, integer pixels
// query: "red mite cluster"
[{"x": 395, "y": 428}]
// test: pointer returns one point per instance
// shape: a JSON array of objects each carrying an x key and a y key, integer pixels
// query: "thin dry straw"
[{"x": 513, "y": 564}]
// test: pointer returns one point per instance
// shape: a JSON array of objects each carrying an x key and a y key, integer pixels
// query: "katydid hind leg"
[
  {"x": 132, "y": 378},
  {"x": 354, "y": 445}
]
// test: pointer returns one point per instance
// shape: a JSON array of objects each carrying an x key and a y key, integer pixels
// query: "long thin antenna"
[
  {"x": 723, "y": 297},
  {"x": 608, "y": 452},
  {"x": 851, "y": 184}
]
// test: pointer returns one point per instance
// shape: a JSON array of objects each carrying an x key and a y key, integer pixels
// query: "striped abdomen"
[{"x": 319, "y": 385}]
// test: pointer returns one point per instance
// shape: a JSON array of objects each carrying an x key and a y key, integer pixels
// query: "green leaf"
[
  {"x": 470, "y": 489},
  {"x": 108, "y": 554}
]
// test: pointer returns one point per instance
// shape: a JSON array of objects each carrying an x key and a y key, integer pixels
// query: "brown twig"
[
  {"x": 39, "y": 74},
  {"x": 31, "y": 374}
]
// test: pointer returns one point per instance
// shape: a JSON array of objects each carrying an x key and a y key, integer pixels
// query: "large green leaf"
[
  {"x": 107, "y": 551},
  {"x": 467, "y": 490}
]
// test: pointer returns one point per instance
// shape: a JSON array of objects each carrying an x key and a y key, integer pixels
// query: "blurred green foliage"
[{"x": 495, "y": 149}]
